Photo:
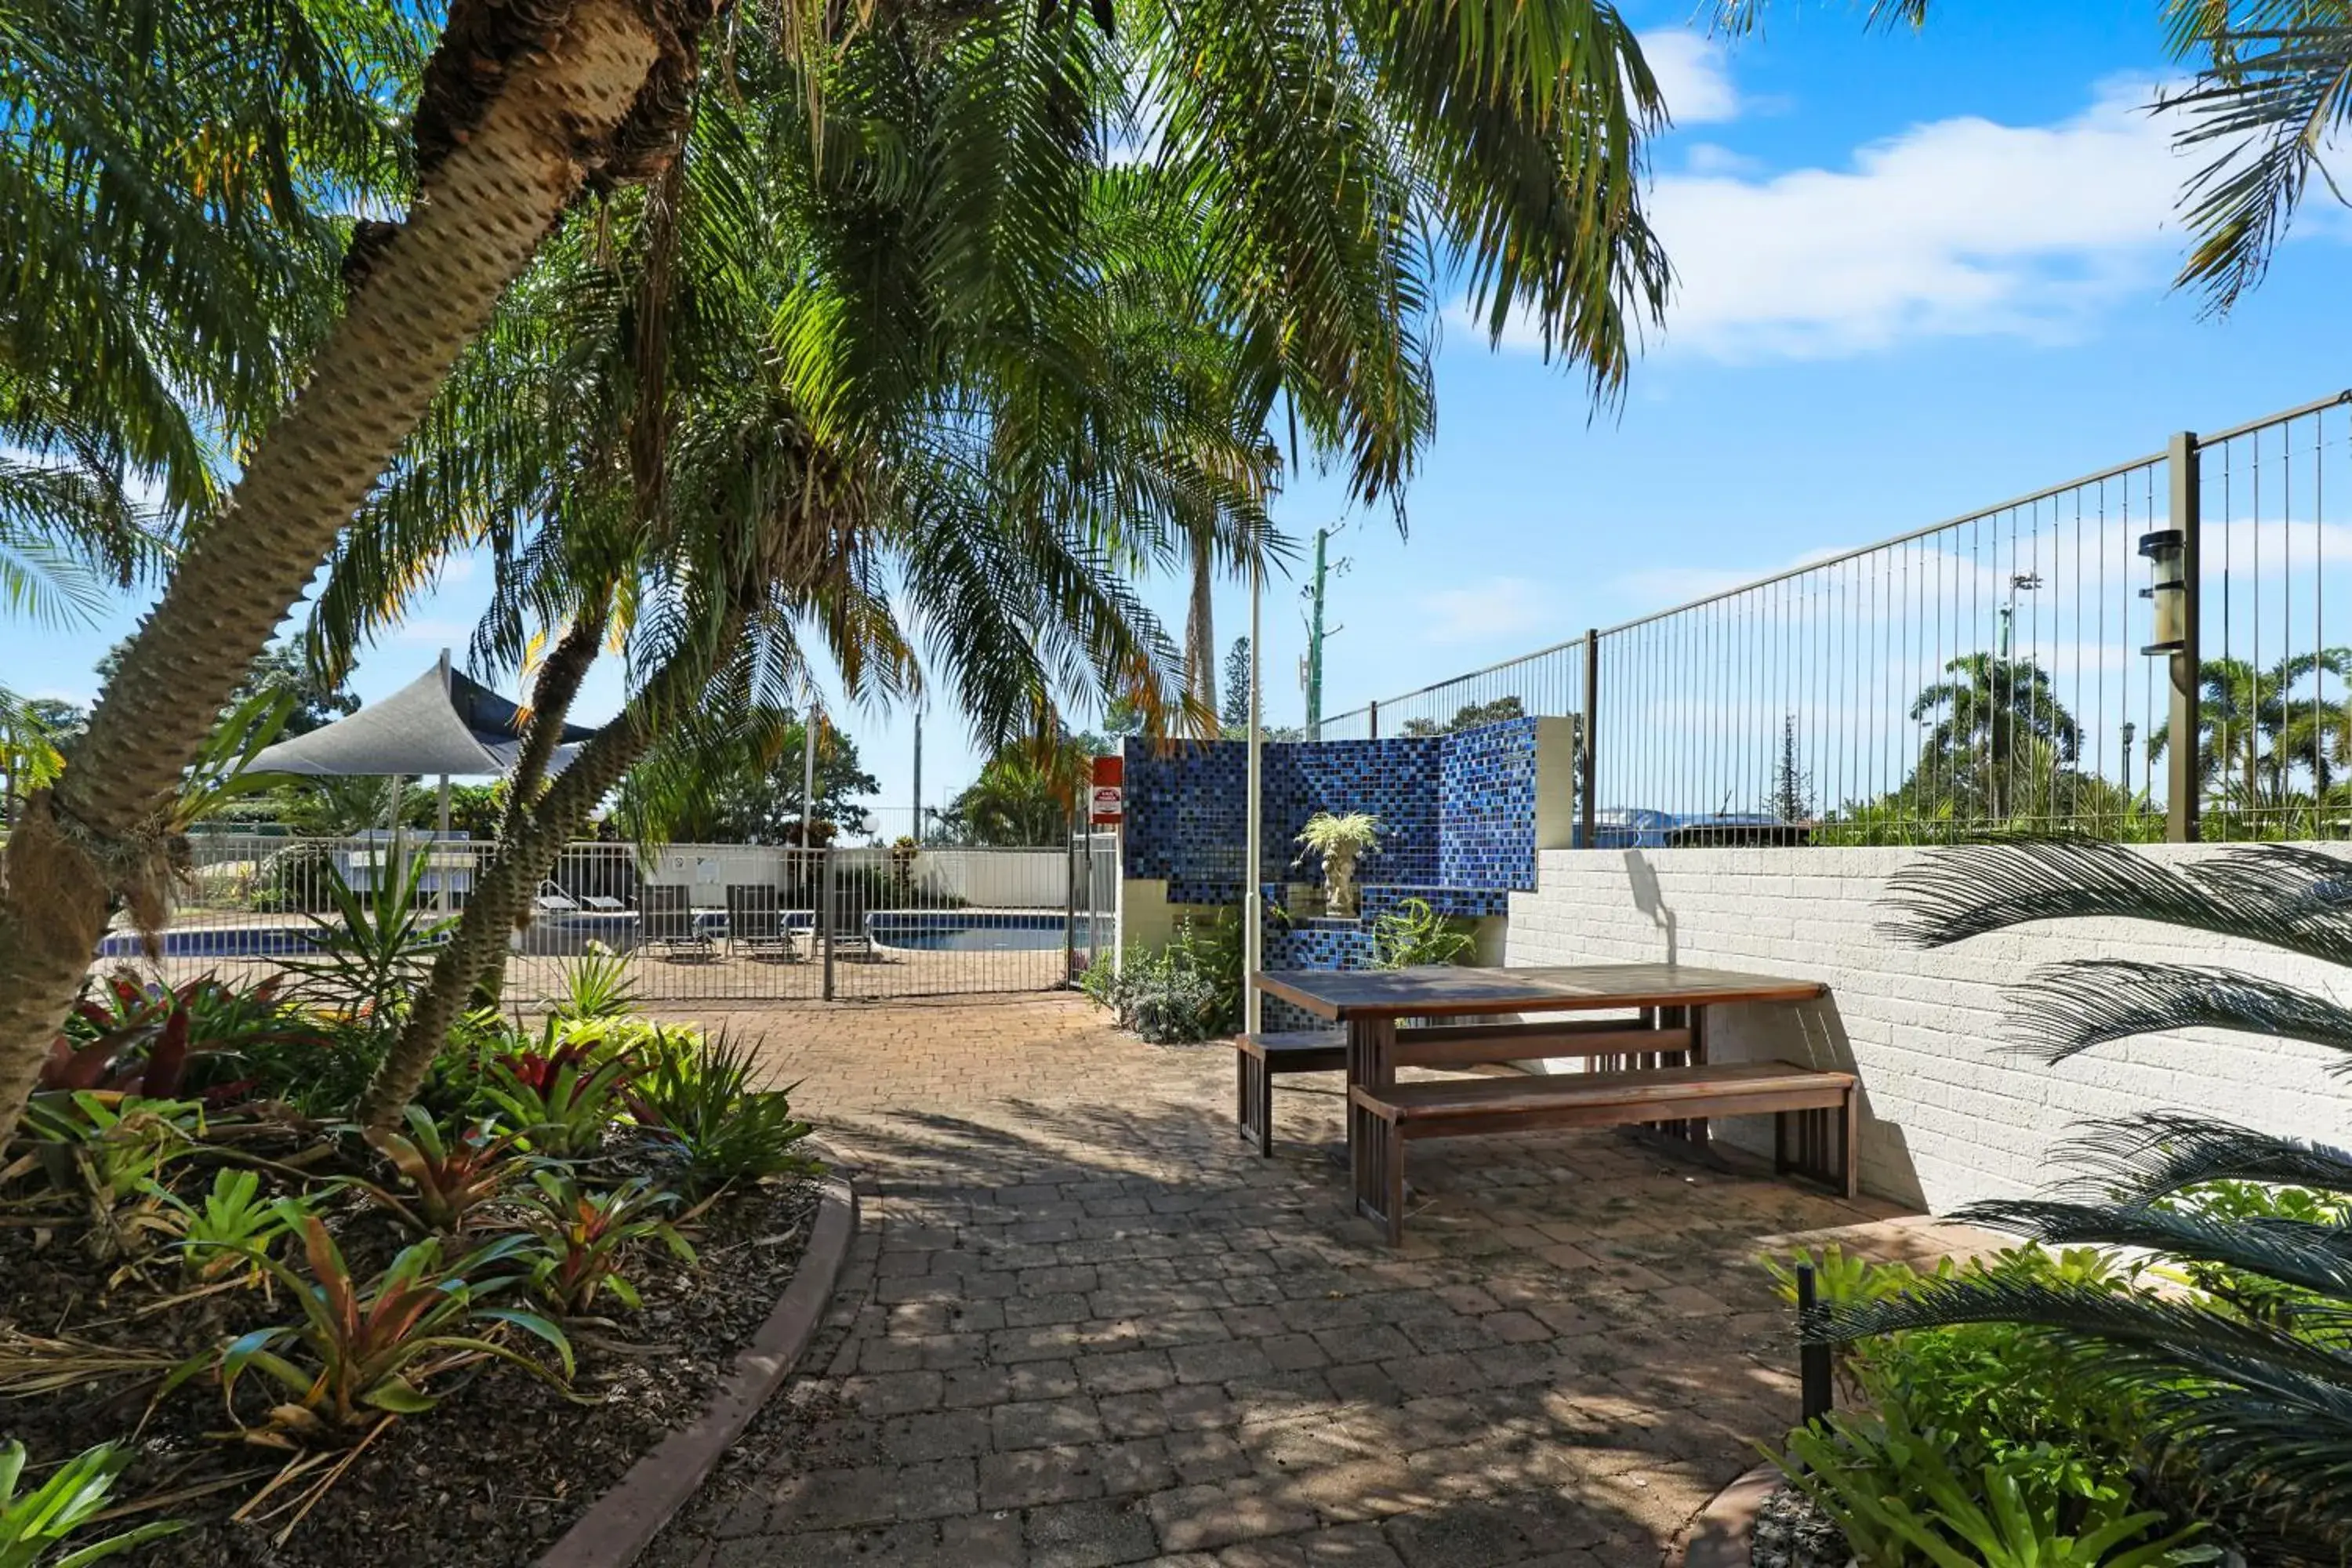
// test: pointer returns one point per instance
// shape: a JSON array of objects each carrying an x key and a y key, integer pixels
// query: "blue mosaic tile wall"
[
  {"x": 1486, "y": 808},
  {"x": 1311, "y": 944},
  {"x": 1457, "y": 811}
]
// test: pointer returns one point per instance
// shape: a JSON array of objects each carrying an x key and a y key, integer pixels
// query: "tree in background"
[
  {"x": 1792, "y": 786},
  {"x": 1469, "y": 716},
  {"x": 1026, "y": 796},
  {"x": 742, "y": 785},
  {"x": 1999, "y": 733},
  {"x": 1235, "y": 712}
]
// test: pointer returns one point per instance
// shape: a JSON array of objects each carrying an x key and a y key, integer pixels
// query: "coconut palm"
[
  {"x": 1999, "y": 728},
  {"x": 2256, "y": 726},
  {"x": 1315, "y": 137},
  {"x": 2245, "y": 1384}
]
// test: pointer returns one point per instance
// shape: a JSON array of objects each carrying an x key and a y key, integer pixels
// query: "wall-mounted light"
[{"x": 2167, "y": 590}]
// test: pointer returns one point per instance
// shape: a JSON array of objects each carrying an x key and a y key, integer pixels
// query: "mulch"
[{"x": 487, "y": 1479}]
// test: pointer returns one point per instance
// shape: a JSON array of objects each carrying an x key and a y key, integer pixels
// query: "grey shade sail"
[{"x": 462, "y": 728}]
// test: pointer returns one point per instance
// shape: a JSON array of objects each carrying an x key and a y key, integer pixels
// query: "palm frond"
[{"x": 2144, "y": 1158}]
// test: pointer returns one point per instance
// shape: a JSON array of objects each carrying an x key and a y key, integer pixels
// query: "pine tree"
[
  {"x": 1792, "y": 787},
  {"x": 1234, "y": 714}
]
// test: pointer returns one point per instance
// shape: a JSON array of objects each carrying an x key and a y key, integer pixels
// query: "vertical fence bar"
[
  {"x": 827, "y": 912},
  {"x": 1588, "y": 759},
  {"x": 2182, "y": 782}
]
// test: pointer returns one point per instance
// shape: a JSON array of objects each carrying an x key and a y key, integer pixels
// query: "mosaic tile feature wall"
[
  {"x": 1311, "y": 944},
  {"x": 1486, "y": 808},
  {"x": 1457, "y": 811}
]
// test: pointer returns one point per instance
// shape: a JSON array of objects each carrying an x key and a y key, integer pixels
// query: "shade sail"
[{"x": 437, "y": 723}]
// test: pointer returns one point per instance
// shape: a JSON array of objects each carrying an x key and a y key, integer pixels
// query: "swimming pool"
[
  {"x": 215, "y": 941},
  {"x": 961, "y": 930}
]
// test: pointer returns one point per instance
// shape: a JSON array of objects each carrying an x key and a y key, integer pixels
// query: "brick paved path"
[{"x": 1083, "y": 1325}]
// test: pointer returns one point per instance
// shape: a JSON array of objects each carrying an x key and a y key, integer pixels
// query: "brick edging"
[
  {"x": 1722, "y": 1535},
  {"x": 623, "y": 1522}
]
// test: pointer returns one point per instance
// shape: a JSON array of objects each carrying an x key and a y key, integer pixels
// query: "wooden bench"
[
  {"x": 1260, "y": 1058},
  {"x": 1389, "y": 1117}
]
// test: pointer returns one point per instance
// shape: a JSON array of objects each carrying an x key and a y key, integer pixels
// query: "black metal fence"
[{"x": 1992, "y": 671}]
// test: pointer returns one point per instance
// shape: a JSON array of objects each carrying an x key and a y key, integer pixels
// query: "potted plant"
[{"x": 1340, "y": 841}]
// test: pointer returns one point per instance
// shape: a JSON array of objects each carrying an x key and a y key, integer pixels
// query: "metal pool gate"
[{"x": 738, "y": 923}]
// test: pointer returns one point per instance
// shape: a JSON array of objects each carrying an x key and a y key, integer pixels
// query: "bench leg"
[
  {"x": 1254, "y": 1097},
  {"x": 1379, "y": 1173},
  {"x": 1850, "y": 1147}
]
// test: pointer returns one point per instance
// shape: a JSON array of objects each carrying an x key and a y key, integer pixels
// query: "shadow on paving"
[{"x": 1079, "y": 1333}]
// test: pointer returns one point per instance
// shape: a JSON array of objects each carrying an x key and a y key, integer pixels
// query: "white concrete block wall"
[{"x": 1948, "y": 1113}]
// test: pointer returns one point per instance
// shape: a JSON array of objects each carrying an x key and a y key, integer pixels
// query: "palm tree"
[
  {"x": 1318, "y": 143},
  {"x": 2254, "y": 729},
  {"x": 1999, "y": 726},
  {"x": 2245, "y": 1384},
  {"x": 1026, "y": 795},
  {"x": 518, "y": 109}
]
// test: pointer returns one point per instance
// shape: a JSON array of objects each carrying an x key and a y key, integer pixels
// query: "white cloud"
[
  {"x": 1692, "y": 75},
  {"x": 1956, "y": 227},
  {"x": 1481, "y": 612},
  {"x": 1709, "y": 158}
]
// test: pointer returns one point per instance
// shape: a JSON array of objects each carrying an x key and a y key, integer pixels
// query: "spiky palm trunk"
[
  {"x": 502, "y": 889},
  {"x": 522, "y": 103}
]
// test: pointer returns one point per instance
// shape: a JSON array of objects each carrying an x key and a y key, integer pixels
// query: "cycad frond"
[
  {"x": 2299, "y": 900},
  {"x": 2315, "y": 1258},
  {"x": 2067, "y": 1007},
  {"x": 2144, "y": 1158}
]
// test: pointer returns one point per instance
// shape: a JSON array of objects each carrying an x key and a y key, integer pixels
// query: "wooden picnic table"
[{"x": 1659, "y": 1056}]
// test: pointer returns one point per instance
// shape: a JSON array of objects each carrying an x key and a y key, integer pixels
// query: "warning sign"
[{"x": 1109, "y": 796}]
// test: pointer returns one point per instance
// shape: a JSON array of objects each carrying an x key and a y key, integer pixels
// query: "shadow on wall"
[
  {"x": 1812, "y": 1033},
  {"x": 1649, "y": 898}
]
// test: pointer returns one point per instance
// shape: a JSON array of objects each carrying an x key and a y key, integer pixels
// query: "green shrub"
[
  {"x": 1189, "y": 991},
  {"x": 1413, "y": 934},
  {"x": 694, "y": 1098}
]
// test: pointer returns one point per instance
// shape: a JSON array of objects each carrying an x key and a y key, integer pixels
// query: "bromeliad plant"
[
  {"x": 694, "y": 1097},
  {"x": 445, "y": 1181},
  {"x": 2245, "y": 1408},
  {"x": 562, "y": 1097},
  {"x": 586, "y": 1237},
  {"x": 141, "y": 1039},
  {"x": 35, "y": 1525},
  {"x": 1412, "y": 933},
  {"x": 596, "y": 984},
  {"x": 107, "y": 1154},
  {"x": 233, "y": 1226},
  {"x": 362, "y": 1351}
]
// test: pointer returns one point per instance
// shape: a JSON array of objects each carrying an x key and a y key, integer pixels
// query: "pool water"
[{"x": 1000, "y": 933}]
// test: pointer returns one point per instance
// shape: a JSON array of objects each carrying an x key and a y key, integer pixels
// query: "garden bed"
[{"x": 491, "y": 1476}]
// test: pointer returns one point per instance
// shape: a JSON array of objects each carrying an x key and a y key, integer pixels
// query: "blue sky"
[{"x": 1918, "y": 273}]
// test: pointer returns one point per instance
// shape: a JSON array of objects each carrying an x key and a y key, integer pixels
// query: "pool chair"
[
  {"x": 755, "y": 925},
  {"x": 667, "y": 922}
]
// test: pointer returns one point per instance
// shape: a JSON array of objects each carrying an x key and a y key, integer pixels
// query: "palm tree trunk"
[
  {"x": 552, "y": 695},
  {"x": 522, "y": 105},
  {"x": 1201, "y": 632},
  {"x": 503, "y": 889}
]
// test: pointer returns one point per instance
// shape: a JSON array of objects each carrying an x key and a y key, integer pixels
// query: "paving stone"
[{"x": 1083, "y": 1325}]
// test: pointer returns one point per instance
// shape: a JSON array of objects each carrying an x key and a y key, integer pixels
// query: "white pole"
[
  {"x": 1252, "y": 912},
  {"x": 809, "y": 721}
]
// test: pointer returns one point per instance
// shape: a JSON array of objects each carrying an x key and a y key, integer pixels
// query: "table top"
[{"x": 1443, "y": 990}]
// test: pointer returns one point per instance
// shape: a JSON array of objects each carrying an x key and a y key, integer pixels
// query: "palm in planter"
[
  {"x": 1339, "y": 842},
  {"x": 2245, "y": 1381}
]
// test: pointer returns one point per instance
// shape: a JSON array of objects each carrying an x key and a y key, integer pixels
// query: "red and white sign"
[{"x": 1109, "y": 796}]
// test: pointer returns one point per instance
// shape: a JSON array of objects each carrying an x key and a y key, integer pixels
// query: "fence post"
[
  {"x": 2181, "y": 780},
  {"x": 1816, "y": 1385},
  {"x": 827, "y": 912},
  {"x": 1070, "y": 899},
  {"x": 1588, "y": 750},
  {"x": 1374, "y": 708}
]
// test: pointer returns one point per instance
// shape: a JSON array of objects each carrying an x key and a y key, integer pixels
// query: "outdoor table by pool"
[{"x": 1631, "y": 1082}]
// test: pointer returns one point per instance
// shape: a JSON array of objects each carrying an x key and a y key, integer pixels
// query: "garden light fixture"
[{"x": 2168, "y": 590}]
